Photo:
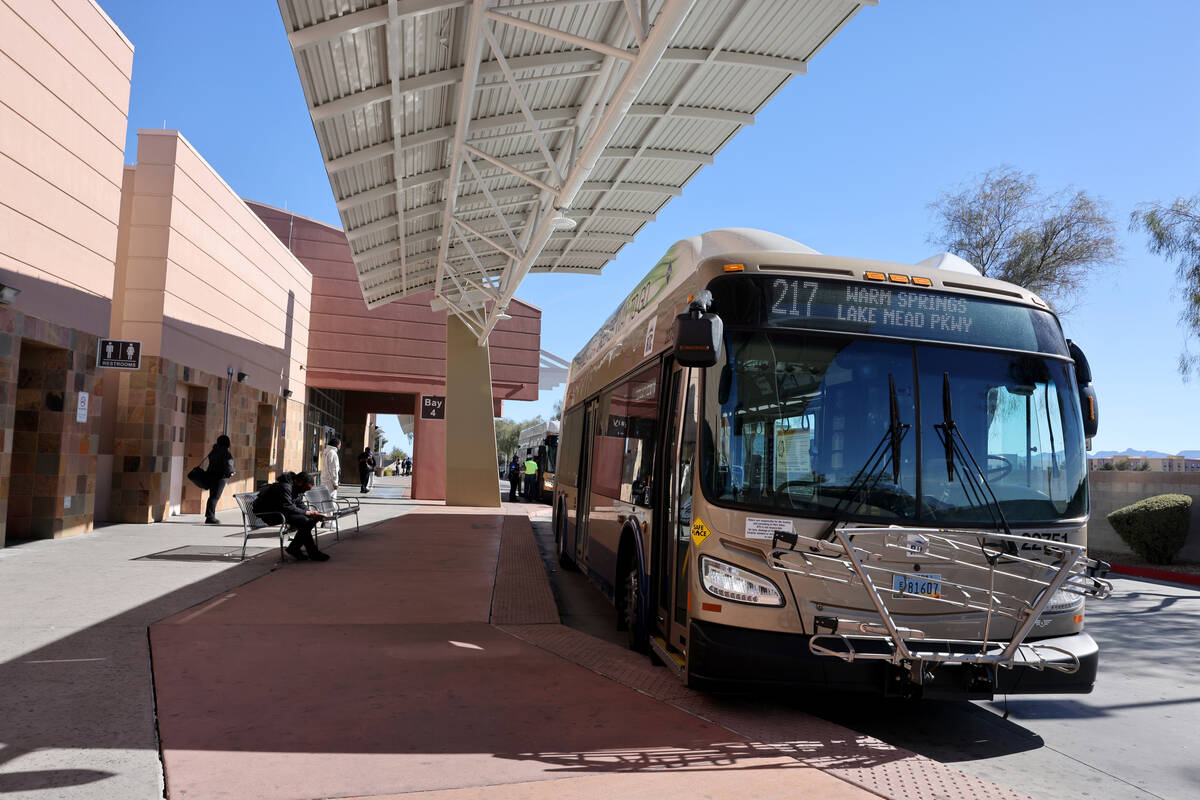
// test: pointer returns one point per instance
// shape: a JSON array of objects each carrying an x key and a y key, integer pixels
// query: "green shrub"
[{"x": 1156, "y": 528}]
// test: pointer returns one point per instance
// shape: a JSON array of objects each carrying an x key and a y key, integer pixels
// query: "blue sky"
[{"x": 909, "y": 100}]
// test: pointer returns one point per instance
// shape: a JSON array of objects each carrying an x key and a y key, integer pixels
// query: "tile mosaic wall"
[
  {"x": 290, "y": 436},
  {"x": 144, "y": 434},
  {"x": 50, "y": 439}
]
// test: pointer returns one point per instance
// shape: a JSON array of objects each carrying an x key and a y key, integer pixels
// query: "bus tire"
[
  {"x": 629, "y": 613},
  {"x": 560, "y": 541}
]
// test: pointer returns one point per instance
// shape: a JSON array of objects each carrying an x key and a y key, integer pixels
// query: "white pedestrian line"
[{"x": 208, "y": 607}]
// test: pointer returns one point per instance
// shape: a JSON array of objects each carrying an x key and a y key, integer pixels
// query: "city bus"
[
  {"x": 787, "y": 469},
  {"x": 540, "y": 442}
]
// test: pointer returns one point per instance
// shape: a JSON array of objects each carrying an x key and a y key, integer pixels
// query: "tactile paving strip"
[
  {"x": 864, "y": 761},
  {"x": 522, "y": 593}
]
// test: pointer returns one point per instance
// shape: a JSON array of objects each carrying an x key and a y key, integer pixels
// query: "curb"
[{"x": 1155, "y": 574}]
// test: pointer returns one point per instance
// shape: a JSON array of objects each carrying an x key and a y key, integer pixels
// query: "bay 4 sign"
[
  {"x": 119, "y": 354},
  {"x": 433, "y": 407}
]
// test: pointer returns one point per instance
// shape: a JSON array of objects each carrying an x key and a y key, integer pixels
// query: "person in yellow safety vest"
[{"x": 530, "y": 478}]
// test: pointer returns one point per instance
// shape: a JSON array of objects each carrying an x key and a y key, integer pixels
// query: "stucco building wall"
[
  {"x": 64, "y": 99},
  {"x": 212, "y": 295},
  {"x": 398, "y": 349},
  {"x": 208, "y": 284},
  {"x": 66, "y": 72}
]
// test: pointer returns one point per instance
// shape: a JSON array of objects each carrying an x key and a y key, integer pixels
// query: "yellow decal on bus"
[{"x": 699, "y": 532}]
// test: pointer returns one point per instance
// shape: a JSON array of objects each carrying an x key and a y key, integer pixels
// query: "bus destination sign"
[{"x": 906, "y": 313}]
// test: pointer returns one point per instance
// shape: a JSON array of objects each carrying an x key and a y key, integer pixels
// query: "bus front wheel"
[
  {"x": 560, "y": 541},
  {"x": 630, "y": 612}
]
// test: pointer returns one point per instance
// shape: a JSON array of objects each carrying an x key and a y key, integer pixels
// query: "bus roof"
[
  {"x": 639, "y": 315},
  {"x": 678, "y": 264},
  {"x": 536, "y": 433}
]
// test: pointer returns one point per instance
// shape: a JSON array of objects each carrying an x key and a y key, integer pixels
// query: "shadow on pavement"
[
  {"x": 40, "y": 779},
  {"x": 944, "y": 731},
  {"x": 737, "y": 755},
  {"x": 74, "y": 693}
]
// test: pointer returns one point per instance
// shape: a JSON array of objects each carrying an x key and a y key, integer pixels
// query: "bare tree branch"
[
  {"x": 1009, "y": 230},
  {"x": 1174, "y": 231}
]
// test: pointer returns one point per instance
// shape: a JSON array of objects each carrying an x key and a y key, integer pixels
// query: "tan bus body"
[{"x": 631, "y": 512}]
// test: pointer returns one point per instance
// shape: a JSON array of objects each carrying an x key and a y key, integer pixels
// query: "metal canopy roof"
[{"x": 580, "y": 120}]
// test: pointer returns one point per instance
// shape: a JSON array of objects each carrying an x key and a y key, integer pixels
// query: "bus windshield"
[{"x": 792, "y": 418}]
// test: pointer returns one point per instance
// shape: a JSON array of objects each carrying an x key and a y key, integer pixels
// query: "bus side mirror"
[
  {"x": 1087, "y": 395},
  {"x": 698, "y": 335},
  {"x": 1083, "y": 370},
  {"x": 1091, "y": 411}
]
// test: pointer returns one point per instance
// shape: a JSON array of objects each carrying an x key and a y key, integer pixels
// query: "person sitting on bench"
[{"x": 277, "y": 503}]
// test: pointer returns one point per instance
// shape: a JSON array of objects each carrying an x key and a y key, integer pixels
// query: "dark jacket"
[
  {"x": 220, "y": 464},
  {"x": 279, "y": 498},
  {"x": 366, "y": 462}
]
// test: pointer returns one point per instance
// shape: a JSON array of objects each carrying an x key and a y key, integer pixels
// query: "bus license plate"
[{"x": 924, "y": 584}]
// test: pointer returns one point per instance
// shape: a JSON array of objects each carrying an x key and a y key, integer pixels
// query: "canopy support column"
[{"x": 471, "y": 475}]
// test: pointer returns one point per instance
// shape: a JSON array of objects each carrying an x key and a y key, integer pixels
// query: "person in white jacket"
[{"x": 331, "y": 467}]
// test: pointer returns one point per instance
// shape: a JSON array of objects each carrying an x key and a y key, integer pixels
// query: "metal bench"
[
  {"x": 319, "y": 498},
  {"x": 252, "y": 522}
]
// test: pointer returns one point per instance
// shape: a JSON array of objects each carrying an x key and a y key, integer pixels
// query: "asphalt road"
[{"x": 1134, "y": 738}]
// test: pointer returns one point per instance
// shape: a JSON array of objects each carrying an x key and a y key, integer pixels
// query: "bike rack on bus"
[{"x": 852, "y": 558}]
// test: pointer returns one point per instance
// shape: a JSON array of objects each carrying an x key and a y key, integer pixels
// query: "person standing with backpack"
[{"x": 220, "y": 470}]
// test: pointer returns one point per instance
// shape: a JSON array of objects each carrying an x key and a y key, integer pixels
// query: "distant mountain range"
[{"x": 1129, "y": 451}]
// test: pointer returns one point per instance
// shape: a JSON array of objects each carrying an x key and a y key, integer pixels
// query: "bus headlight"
[
  {"x": 1061, "y": 602},
  {"x": 728, "y": 582},
  {"x": 548, "y": 485}
]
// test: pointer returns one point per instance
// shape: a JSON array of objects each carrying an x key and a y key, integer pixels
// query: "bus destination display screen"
[{"x": 882, "y": 310}]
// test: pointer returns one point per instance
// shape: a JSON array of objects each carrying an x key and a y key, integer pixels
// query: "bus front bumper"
[{"x": 724, "y": 658}]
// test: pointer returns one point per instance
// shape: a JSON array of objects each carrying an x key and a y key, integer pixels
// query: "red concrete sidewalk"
[
  {"x": 378, "y": 673},
  {"x": 384, "y": 672}
]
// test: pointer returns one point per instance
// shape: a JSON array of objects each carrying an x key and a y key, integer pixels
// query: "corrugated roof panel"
[{"x": 711, "y": 73}]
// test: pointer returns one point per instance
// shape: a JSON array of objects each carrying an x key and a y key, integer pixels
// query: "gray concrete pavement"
[
  {"x": 77, "y": 705},
  {"x": 1135, "y": 737}
]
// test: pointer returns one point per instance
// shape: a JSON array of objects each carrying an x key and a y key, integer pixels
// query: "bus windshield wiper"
[
  {"x": 864, "y": 483},
  {"x": 975, "y": 484}
]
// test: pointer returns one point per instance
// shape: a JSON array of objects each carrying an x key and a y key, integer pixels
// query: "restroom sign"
[
  {"x": 119, "y": 354},
  {"x": 433, "y": 407}
]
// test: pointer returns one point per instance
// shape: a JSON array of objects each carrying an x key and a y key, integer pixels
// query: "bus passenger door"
[
  {"x": 583, "y": 499},
  {"x": 672, "y": 546}
]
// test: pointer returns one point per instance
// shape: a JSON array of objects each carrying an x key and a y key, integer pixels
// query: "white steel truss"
[{"x": 472, "y": 142}]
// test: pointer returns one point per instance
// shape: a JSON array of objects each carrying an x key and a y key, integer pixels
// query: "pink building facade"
[
  {"x": 64, "y": 100},
  {"x": 221, "y": 309},
  {"x": 385, "y": 360},
  {"x": 249, "y": 318}
]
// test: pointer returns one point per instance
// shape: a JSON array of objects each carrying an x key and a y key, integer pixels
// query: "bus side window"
[
  {"x": 568, "y": 469},
  {"x": 608, "y": 445},
  {"x": 640, "y": 402}
]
